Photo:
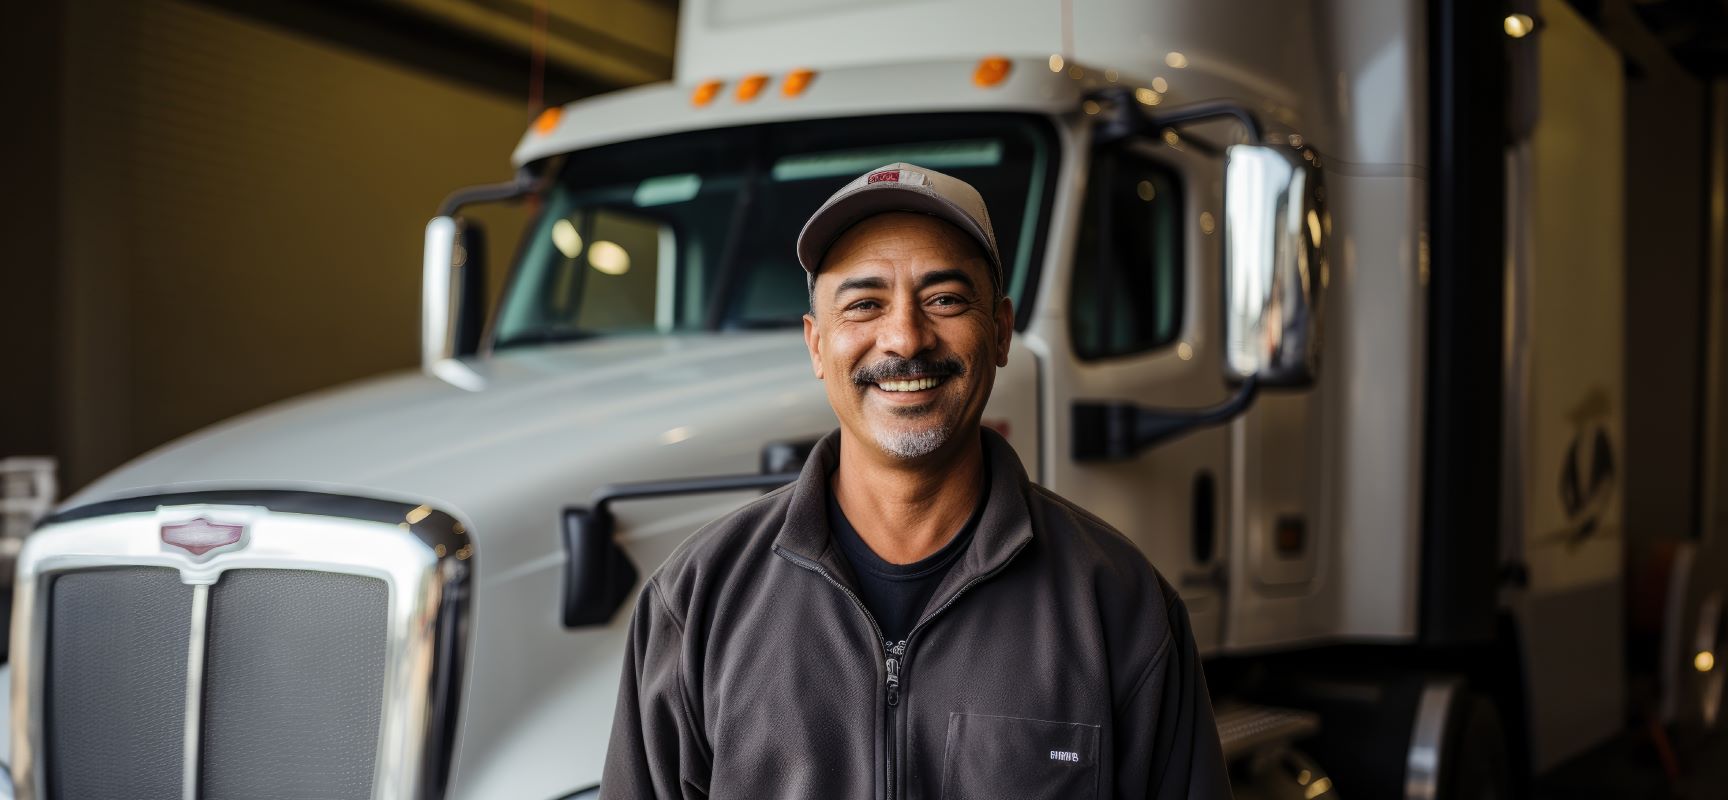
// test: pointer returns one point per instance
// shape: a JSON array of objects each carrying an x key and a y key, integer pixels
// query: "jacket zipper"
[
  {"x": 894, "y": 652},
  {"x": 896, "y": 656},
  {"x": 891, "y": 721},
  {"x": 889, "y": 657}
]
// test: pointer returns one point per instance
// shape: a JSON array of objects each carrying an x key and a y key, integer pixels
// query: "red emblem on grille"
[
  {"x": 889, "y": 175},
  {"x": 200, "y": 535}
]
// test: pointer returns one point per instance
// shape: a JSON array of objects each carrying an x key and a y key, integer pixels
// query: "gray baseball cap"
[{"x": 898, "y": 187}]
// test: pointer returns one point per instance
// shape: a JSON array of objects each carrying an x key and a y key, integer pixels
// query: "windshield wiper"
[
  {"x": 726, "y": 276},
  {"x": 546, "y": 336}
]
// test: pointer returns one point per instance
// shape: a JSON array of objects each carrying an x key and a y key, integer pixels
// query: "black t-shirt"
[{"x": 896, "y": 594}]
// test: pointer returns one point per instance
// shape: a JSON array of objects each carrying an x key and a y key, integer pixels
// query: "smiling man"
[{"x": 912, "y": 617}]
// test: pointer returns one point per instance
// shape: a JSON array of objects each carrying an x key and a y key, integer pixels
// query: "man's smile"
[
  {"x": 918, "y": 384},
  {"x": 908, "y": 386}
]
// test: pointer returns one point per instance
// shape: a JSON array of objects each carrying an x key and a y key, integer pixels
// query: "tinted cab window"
[{"x": 1127, "y": 291}]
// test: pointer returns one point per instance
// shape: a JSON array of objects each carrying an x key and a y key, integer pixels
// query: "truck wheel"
[{"x": 1457, "y": 747}]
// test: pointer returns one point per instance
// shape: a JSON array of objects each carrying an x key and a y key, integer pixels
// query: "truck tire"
[
  {"x": 1481, "y": 769},
  {"x": 1457, "y": 747}
]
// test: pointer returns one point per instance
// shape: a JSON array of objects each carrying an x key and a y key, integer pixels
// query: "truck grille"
[
  {"x": 292, "y": 687},
  {"x": 299, "y": 679},
  {"x": 293, "y": 683},
  {"x": 117, "y": 683}
]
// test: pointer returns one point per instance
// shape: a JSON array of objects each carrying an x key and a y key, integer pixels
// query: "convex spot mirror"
[{"x": 1275, "y": 230}]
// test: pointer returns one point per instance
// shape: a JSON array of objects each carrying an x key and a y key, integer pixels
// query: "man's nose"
[{"x": 906, "y": 331}]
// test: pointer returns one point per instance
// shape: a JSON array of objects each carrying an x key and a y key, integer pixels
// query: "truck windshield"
[{"x": 695, "y": 231}]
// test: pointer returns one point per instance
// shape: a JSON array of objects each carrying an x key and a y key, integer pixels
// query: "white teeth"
[{"x": 915, "y": 385}]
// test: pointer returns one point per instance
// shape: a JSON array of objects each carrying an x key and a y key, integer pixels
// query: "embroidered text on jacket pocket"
[{"x": 991, "y": 758}]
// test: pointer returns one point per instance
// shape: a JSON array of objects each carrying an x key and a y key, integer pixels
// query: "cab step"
[{"x": 1245, "y": 728}]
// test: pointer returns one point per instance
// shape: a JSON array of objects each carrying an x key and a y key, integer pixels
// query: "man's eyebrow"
[
  {"x": 861, "y": 282},
  {"x": 930, "y": 279}
]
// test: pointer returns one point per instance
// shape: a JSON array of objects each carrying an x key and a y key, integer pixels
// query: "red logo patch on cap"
[{"x": 887, "y": 175}]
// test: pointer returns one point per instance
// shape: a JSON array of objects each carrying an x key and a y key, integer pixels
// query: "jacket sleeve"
[
  {"x": 655, "y": 750},
  {"x": 1166, "y": 738}
]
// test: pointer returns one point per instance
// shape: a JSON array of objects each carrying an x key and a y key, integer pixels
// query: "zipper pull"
[{"x": 893, "y": 681}]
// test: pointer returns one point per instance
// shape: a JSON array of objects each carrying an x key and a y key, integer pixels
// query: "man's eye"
[
  {"x": 864, "y": 305},
  {"x": 947, "y": 300}
]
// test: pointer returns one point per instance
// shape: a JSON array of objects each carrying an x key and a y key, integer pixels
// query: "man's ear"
[
  {"x": 1004, "y": 330},
  {"x": 813, "y": 343}
]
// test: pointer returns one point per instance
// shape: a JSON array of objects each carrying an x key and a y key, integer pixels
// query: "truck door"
[{"x": 1138, "y": 320}]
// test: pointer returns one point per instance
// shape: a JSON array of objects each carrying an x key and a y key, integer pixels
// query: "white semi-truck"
[{"x": 1302, "y": 308}]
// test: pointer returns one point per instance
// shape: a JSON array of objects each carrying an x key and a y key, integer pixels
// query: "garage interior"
[{"x": 216, "y": 205}]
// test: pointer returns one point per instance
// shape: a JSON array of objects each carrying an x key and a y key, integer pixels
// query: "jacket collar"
[{"x": 1004, "y": 528}]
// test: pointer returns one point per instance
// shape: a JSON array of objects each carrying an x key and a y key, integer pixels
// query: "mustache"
[{"x": 895, "y": 368}]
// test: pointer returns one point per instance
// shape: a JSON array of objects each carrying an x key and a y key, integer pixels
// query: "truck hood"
[
  {"x": 582, "y": 414},
  {"x": 551, "y": 424}
]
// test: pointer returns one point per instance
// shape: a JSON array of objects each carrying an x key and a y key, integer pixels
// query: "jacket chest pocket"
[{"x": 997, "y": 758}]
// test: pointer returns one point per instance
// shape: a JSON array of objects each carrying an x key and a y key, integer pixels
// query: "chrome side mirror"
[
  {"x": 453, "y": 283},
  {"x": 1275, "y": 226},
  {"x": 437, "y": 340},
  {"x": 451, "y": 309}
]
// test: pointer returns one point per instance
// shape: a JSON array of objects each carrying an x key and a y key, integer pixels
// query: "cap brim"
[{"x": 867, "y": 201}]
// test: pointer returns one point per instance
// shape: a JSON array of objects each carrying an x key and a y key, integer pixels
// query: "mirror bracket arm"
[
  {"x": 598, "y": 574},
  {"x": 514, "y": 189},
  {"x": 1119, "y": 431},
  {"x": 1123, "y": 118}
]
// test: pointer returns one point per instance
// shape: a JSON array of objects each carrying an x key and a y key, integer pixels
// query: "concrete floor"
[{"x": 1631, "y": 767}]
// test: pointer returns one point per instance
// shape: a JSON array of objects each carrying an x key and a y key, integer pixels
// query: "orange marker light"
[
  {"x": 796, "y": 82},
  {"x": 991, "y": 71},
  {"x": 548, "y": 120},
  {"x": 750, "y": 87},
  {"x": 705, "y": 93}
]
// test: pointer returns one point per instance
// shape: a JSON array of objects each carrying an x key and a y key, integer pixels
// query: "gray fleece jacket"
[{"x": 1052, "y": 662}]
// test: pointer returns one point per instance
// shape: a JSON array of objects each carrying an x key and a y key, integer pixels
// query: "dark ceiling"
[{"x": 1695, "y": 31}]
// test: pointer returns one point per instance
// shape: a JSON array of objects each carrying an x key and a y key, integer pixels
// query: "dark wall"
[
  {"x": 215, "y": 205},
  {"x": 29, "y": 142},
  {"x": 1666, "y": 207}
]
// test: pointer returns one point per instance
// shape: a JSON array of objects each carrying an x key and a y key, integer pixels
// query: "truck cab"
[{"x": 1217, "y": 239}]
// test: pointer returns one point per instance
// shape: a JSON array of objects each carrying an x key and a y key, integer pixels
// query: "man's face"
[{"x": 905, "y": 334}]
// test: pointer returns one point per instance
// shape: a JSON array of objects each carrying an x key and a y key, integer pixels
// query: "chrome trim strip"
[
  {"x": 1427, "y": 741},
  {"x": 1673, "y": 652},
  {"x": 1516, "y": 365},
  {"x": 194, "y": 690},
  {"x": 424, "y": 557}
]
